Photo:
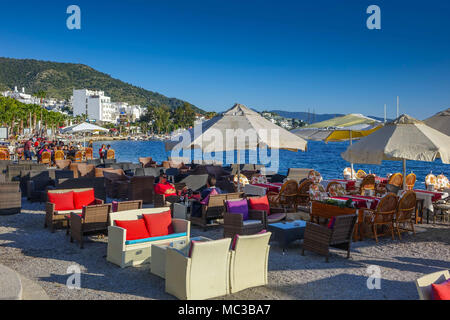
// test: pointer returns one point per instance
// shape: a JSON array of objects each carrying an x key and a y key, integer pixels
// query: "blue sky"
[{"x": 290, "y": 55}]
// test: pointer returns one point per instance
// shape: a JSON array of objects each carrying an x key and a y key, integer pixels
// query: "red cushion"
[
  {"x": 83, "y": 198},
  {"x": 441, "y": 291},
  {"x": 233, "y": 245},
  {"x": 135, "y": 228},
  {"x": 63, "y": 201},
  {"x": 261, "y": 203},
  {"x": 159, "y": 224}
]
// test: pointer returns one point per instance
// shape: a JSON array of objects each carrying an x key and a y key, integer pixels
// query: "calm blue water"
[{"x": 325, "y": 158}]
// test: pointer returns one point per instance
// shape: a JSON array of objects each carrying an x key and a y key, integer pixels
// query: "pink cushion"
[
  {"x": 261, "y": 203},
  {"x": 135, "y": 229},
  {"x": 212, "y": 193},
  {"x": 331, "y": 223},
  {"x": 83, "y": 198},
  {"x": 62, "y": 201},
  {"x": 159, "y": 224},
  {"x": 441, "y": 291}
]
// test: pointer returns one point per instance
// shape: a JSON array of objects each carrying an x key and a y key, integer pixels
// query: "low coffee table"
[
  {"x": 158, "y": 257},
  {"x": 286, "y": 232}
]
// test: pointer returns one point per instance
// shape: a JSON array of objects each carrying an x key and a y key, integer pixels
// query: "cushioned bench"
[{"x": 124, "y": 253}]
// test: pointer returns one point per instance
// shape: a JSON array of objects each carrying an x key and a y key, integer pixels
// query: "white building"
[
  {"x": 133, "y": 112},
  {"x": 95, "y": 105},
  {"x": 21, "y": 96}
]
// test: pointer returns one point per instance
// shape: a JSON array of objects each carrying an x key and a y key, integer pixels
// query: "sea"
[{"x": 320, "y": 156}]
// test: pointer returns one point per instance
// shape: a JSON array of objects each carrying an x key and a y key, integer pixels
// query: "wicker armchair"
[
  {"x": 59, "y": 155},
  {"x": 10, "y": 198},
  {"x": 57, "y": 219},
  {"x": 46, "y": 157},
  {"x": 111, "y": 154},
  {"x": 94, "y": 219},
  {"x": 86, "y": 170},
  {"x": 78, "y": 156},
  {"x": 233, "y": 223},
  {"x": 361, "y": 174},
  {"x": 137, "y": 188},
  {"x": 382, "y": 216},
  {"x": 214, "y": 209},
  {"x": 112, "y": 181},
  {"x": 159, "y": 200},
  {"x": 147, "y": 162},
  {"x": 286, "y": 198},
  {"x": 410, "y": 181},
  {"x": 127, "y": 205},
  {"x": 368, "y": 183},
  {"x": 37, "y": 184},
  {"x": 396, "y": 179},
  {"x": 89, "y": 154},
  {"x": 303, "y": 196},
  {"x": 319, "y": 239},
  {"x": 405, "y": 213}
]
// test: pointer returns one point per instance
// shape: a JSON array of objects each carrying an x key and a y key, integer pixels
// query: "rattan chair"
[
  {"x": 382, "y": 216},
  {"x": 88, "y": 154},
  {"x": 303, "y": 197},
  {"x": 233, "y": 223},
  {"x": 78, "y": 156},
  {"x": 286, "y": 198},
  {"x": 4, "y": 155},
  {"x": 94, "y": 219},
  {"x": 396, "y": 179},
  {"x": 46, "y": 157},
  {"x": 111, "y": 154},
  {"x": 319, "y": 239},
  {"x": 10, "y": 198},
  {"x": 147, "y": 162},
  {"x": 410, "y": 181},
  {"x": 59, "y": 155},
  {"x": 128, "y": 205},
  {"x": 361, "y": 174},
  {"x": 112, "y": 179},
  {"x": 335, "y": 189},
  {"x": 405, "y": 213},
  {"x": 368, "y": 183}
]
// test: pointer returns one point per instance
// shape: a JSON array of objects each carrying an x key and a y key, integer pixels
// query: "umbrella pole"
[
  {"x": 239, "y": 170},
  {"x": 404, "y": 174},
  {"x": 351, "y": 164}
]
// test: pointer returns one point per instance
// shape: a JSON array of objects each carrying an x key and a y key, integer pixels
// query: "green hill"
[{"x": 59, "y": 80}]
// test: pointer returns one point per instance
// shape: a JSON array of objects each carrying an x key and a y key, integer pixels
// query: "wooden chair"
[
  {"x": 78, "y": 156},
  {"x": 286, "y": 198},
  {"x": 383, "y": 215},
  {"x": 396, "y": 179},
  {"x": 303, "y": 198},
  {"x": 410, "y": 181},
  {"x": 335, "y": 189},
  {"x": 89, "y": 154},
  {"x": 361, "y": 174},
  {"x": 405, "y": 212},
  {"x": 319, "y": 239},
  {"x": 368, "y": 183},
  {"x": 424, "y": 283},
  {"x": 46, "y": 157},
  {"x": 59, "y": 155},
  {"x": 4, "y": 154},
  {"x": 93, "y": 219},
  {"x": 111, "y": 154},
  {"x": 430, "y": 180}
]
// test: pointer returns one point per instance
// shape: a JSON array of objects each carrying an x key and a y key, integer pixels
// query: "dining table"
[{"x": 428, "y": 197}]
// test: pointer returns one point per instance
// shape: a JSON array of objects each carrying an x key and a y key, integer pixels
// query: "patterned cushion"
[{"x": 242, "y": 180}]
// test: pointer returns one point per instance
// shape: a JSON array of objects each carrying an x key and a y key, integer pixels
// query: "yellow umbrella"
[{"x": 344, "y": 135}]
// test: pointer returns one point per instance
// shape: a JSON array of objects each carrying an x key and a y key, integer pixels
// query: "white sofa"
[{"x": 123, "y": 253}]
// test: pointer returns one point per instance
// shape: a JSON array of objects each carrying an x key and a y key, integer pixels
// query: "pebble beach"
[{"x": 44, "y": 257}]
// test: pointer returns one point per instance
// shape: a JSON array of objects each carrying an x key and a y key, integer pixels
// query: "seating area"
[{"x": 118, "y": 201}]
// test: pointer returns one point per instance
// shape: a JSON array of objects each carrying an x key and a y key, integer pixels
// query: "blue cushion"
[{"x": 169, "y": 236}]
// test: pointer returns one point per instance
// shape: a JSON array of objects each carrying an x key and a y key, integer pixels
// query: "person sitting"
[
  {"x": 210, "y": 188},
  {"x": 166, "y": 188}
]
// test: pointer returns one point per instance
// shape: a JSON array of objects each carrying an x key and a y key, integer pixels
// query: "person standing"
[{"x": 27, "y": 150}]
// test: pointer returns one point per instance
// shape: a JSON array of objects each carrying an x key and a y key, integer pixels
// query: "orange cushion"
[
  {"x": 62, "y": 201},
  {"x": 135, "y": 228},
  {"x": 261, "y": 203},
  {"x": 441, "y": 291},
  {"x": 83, "y": 198},
  {"x": 159, "y": 224}
]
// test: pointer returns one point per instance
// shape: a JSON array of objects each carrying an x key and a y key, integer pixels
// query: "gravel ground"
[{"x": 31, "y": 250}]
